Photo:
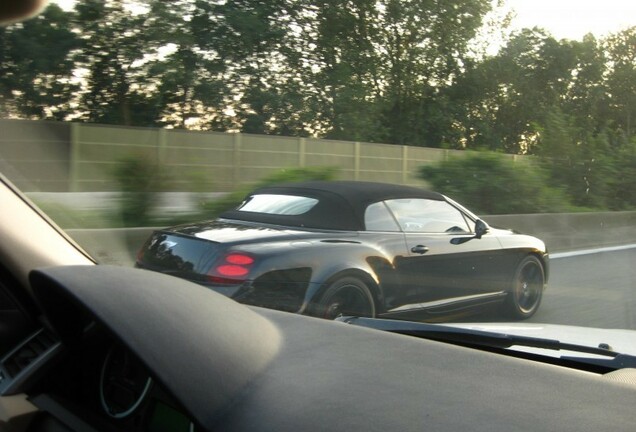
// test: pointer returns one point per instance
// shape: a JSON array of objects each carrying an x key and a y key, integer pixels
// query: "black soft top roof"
[{"x": 341, "y": 204}]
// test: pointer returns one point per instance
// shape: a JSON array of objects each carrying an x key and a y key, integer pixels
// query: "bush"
[
  {"x": 488, "y": 183},
  {"x": 139, "y": 181},
  {"x": 623, "y": 182}
]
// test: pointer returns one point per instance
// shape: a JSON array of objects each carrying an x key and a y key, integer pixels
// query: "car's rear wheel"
[
  {"x": 347, "y": 296},
  {"x": 525, "y": 295}
]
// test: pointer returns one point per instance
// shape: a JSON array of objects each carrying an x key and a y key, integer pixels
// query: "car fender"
[
  {"x": 368, "y": 264},
  {"x": 526, "y": 245},
  {"x": 328, "y": 261}
]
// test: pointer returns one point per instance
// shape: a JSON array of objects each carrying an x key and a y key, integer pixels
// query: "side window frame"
[{"x": 469, "y": 217}]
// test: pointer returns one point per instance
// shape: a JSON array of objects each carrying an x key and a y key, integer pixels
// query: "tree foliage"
[
  {"x": 112, "y": 42},
  {"x": 392, "y": 71},
  {"x": 36, "y": 77}
]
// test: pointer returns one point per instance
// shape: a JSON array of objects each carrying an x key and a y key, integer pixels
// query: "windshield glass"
[{"x": 134, "y": 124}]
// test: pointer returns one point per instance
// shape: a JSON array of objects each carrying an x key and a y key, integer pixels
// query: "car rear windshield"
[{"x": 291, "y": 205}]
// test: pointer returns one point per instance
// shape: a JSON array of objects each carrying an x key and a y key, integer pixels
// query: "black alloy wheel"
[
  {"x": 348, "y": 296},
  {"x": 527, "y": 289}
]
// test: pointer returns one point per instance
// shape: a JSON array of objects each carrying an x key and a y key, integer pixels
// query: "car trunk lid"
[
  {"x": 229, "y": 232},
  {"x": 211, "y": 253}
]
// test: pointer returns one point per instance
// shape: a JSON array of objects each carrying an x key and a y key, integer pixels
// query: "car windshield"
[{"x": 130, "y": 121}]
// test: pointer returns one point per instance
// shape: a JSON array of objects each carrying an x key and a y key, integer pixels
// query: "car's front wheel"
[
  {"x": 347, "y": 296},
  {"x": 526, "y": 292}
]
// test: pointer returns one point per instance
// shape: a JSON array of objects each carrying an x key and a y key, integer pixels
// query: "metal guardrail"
[{"x": 572, "y": 231}]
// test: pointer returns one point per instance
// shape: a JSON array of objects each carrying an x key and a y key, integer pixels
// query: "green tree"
[
  {"x": 508, "y": 95},
  {"x": 35, "y": 74},
  {"x": 621, "y": 79},
  {"x": 423, "y": 46},
  {"x": 580, "y": 162},
  {"x": 254, "y": 40},
  {"x": 186, "y": 71},
  {"x": 114, "y": 44},
  {"x": 586, "y": 97},
  {"x": 344, "y": 70}
]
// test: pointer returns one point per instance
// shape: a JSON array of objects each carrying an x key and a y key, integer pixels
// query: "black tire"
[
  {"x": 347, "y": 296},
  {"x": 526, "y": 292}
]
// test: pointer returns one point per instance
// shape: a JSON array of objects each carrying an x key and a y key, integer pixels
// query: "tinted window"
[
  {"x": 377, "y": 217},
  {"x": 278, "y": 204},
  {"x": 178, "y": 255},
  {"x": 422, "y": 215}
]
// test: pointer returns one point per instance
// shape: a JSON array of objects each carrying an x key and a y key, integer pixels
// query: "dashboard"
[
  {"x": 93, "y": 384},
  {"x": 134, "y": 350}
]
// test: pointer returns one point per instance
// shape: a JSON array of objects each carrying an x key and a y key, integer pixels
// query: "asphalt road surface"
[{"x": 592, "y": 290}]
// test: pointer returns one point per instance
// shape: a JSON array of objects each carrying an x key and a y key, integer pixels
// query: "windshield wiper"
[{"x": 480, "y": 339}]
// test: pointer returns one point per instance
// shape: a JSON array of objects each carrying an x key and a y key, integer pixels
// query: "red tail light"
[
  {"x": 239, "y": 259},
  {"x": 231, "y": 270}
]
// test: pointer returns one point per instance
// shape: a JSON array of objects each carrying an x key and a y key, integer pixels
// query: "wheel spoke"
[
  {"x": 347, "y": 299},
  {"x": 528, "y": 288},
  {"x": 533, "y": 273}
]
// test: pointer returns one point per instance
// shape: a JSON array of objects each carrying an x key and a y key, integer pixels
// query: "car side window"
[
  {"x": 431, "y": 216},
  {"x": 377, "y": 217}
]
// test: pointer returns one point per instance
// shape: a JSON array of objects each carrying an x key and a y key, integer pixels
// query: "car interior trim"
[{"x": 29, "y": 361}]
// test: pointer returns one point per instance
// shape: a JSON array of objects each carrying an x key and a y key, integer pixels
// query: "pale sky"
[{"x": 572, "y": 19}]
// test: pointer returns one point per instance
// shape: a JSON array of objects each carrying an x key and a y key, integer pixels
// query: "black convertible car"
[
  {"x": 96, "y": 348},
  {"x": 355, "y": 248}
]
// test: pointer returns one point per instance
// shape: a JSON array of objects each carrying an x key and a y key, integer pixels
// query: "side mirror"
[{"x": 481, "y": 228}]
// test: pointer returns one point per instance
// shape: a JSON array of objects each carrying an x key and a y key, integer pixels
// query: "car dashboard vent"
[{"x": 23, "y": 363}]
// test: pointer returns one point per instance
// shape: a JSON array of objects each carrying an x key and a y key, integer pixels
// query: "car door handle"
[{"x": 419, "y": 249}]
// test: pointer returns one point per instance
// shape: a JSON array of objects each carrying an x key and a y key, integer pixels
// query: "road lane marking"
[{"x": 591, "y": 251}]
